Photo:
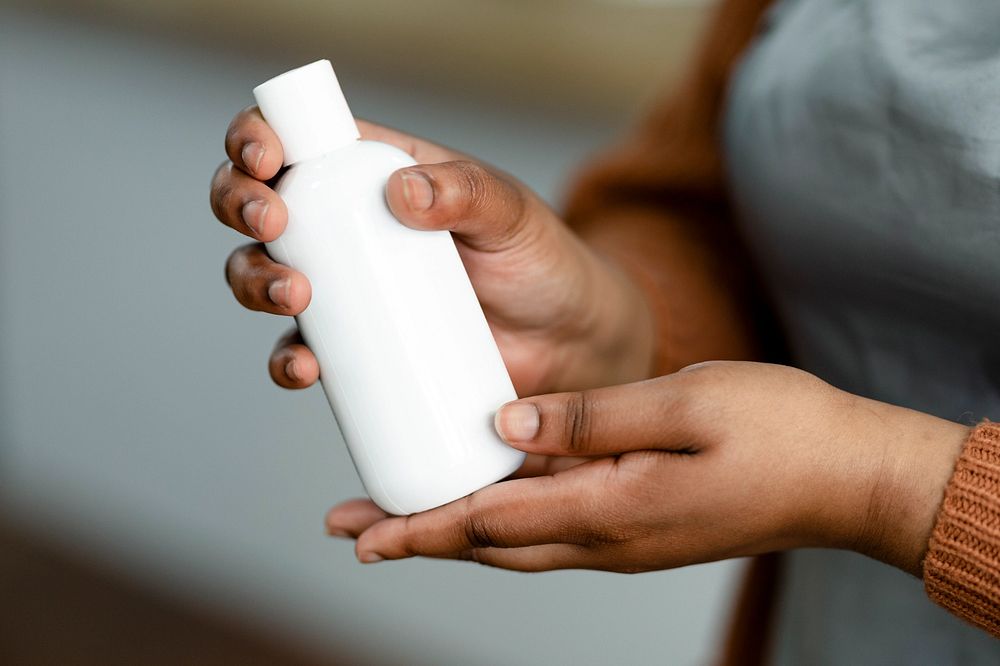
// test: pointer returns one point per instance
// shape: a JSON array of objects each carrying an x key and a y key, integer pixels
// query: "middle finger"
[
  {"x": 260, "y": 283},
  {"x": 247, "y": 205}
]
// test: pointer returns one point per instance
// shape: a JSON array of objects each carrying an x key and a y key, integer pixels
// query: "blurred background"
[{"x": 160, "y": 500}]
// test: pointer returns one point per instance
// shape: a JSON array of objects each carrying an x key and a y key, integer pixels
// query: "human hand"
[
  {"x": 720, "y": 460},
  {"x": 563, "y": 317}
]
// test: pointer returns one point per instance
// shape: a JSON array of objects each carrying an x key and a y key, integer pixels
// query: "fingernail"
[
  {"x": 369, "y": 558},
  {"x": 517, "y": 422},
  {"x": 253, "y": 215},
  {"x": 337, "y": 532},
  {"x": 418, "y": 191},
  {"x": 252, "y": 154},
  {"x": 292, "y": 371},
  {"x": 278, "y": 291}
]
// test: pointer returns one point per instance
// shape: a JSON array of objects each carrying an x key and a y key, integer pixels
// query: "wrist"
[
  {"x": 627, "y": 343},
  {"x": 615, "y": 342},
  {"x": 917, "y": 455}
]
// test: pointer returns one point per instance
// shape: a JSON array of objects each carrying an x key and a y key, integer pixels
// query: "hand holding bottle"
[
  {"x": 563, "y": 317},
  {"x": 720, "y": 460}
]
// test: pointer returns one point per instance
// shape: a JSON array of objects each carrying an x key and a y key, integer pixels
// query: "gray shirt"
[{"x": 862, "y": 139}]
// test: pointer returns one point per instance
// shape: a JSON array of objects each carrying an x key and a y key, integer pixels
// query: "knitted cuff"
[{"x": 962, "y": 566}]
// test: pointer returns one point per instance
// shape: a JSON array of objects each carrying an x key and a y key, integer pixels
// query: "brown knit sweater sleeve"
[
  {"x": 962, "y": 566},
  {"x": 657, "y": 203}
]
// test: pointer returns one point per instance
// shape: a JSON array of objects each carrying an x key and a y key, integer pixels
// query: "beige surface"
[{"x": 594, "y": 56}]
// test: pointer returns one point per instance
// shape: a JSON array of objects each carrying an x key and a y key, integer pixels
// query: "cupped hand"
[
  {"x": 563, "y": 317},
  {"x": 720, "y": 460}
]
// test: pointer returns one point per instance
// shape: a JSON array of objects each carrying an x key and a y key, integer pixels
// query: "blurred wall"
[{"x": 137, "y": 421}]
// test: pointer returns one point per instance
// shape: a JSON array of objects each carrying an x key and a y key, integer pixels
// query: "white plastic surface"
[
  {"x": 407, "y": 359},
  {"x": 307, "y": 109}
]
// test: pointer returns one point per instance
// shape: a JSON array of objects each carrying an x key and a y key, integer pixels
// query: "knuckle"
[
  {"x": 239, "y": 275},
  {"x": 222, "y": 198},
  {"x": 473, "y": 191},
  {"x": 465, "y": 180},
  {"x": 217, "y": 188},
  {"x": 235, "y": 131},
  {"x": 487, "y": 193},
  {"x": 578, "y": 422},
  {"x": 407, "y": 542},
  {"x": 471, "y": 178},
  {"x": 232, "y": 266},
  {"x": 477, "y": 186},
  {"x": 478, "y": 530}
]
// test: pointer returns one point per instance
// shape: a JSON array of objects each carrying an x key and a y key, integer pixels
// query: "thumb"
[
  {"x": 653, "y": 414},
  {"x": 487, "y": 211}
]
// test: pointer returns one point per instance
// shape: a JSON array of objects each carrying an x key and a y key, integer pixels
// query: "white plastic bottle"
[{"x": 406, "y": 357}]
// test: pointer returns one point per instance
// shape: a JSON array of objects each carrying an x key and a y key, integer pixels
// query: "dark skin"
[
  {"x": 584, "y": 325},
  {"x": 718, "y": 460}
]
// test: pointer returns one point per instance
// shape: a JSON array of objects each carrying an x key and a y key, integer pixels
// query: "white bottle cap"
[{"x": 307, "y": 110}]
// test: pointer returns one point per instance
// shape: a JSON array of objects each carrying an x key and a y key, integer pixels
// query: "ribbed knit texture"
[{"x": 962, "y": 566}]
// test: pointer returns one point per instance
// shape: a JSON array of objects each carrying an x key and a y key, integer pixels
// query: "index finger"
[
  {"x": 421, "y": 150},
  {"x": 253, "y": 146},
  {"x": 512, "y": 514}
]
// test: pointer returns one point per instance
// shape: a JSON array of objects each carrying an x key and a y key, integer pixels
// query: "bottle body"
[{"x": 406, "y": 357}]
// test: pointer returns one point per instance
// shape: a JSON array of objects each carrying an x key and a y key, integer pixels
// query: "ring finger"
[{"x": 260, "y": 283}]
